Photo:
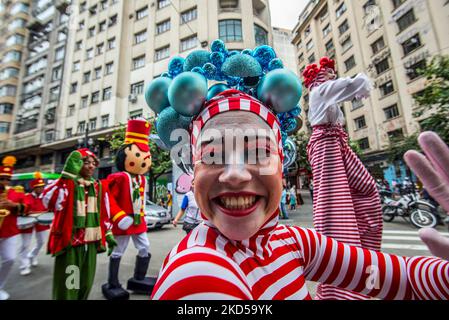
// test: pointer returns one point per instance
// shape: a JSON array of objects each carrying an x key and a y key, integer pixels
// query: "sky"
[{"x": 285, "y": 13}]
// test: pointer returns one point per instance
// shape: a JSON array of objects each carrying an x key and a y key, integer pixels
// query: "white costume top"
[{"x": 325, "y": 98}]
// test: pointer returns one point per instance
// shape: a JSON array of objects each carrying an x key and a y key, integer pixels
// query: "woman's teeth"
[{"x": 238, "y": 203}]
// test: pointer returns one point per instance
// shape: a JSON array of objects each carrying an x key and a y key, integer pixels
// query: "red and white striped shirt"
[{"x": 276, "y": 263}]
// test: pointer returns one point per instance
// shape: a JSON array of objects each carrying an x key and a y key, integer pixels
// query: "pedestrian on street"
[
  {"x": 190, "y": 209},
  {"x": 284, "y": 204},
  {"x": 169, "y": 202},
  {"x": 311, "y": 189},
  {"x": 293, "y": 201}
]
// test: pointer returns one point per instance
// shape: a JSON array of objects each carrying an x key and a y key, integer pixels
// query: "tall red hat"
[
  {"x": 38, "y": 181},
  {"x": 138, "y": 133},
  {"x": 315, "y": 75},
  {"x": 6, "y": 170}
]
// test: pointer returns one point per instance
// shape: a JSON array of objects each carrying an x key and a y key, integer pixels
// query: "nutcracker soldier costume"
[
  {"x": 33, "y": 201},
  {"x": 81, "y": 227},
  {"x": 346, "y": 203},
  {"x": 128, "y": 188},
  {"x": 240, "y": 251},
  {"x": 11, "y": 206}
]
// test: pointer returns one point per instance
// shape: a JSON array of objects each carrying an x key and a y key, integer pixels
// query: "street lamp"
[{"x": 86, "y": 141}]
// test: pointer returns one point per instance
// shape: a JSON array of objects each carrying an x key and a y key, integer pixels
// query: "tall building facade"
[
  {"x": 285, "y": 49},
  {"x": 14, "y": 16},
  {"x": 390, "y": 40},
  {"x": 115, "y": 48}
]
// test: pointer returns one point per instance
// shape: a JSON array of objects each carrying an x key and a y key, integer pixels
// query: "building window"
[
  {"x": 360, "y": 123},
  {"x": 396, "y": 135},
  {"x": 386, "y": 88},
  {"x": 162, "y": 3},
  {"x": 103, "y": 5},
  {"x": 86, "y": 77},
  {"x": 230, "y": 30},
  {"x": 49, "y": 135},
  {"x": 347, "y": 44},
  {"x": 97, "y": 73},
  {"x": 312, "y": 58},
  {"x": 112, "y": 21},
  {"x": 102, "y": 26},
  {"x": 382, "y": 66},
  {"x": 111, "y": 43},
  {"x": 189, "y": 43},
  {"x": 350, "y": 63},
  {"x": 189, "y": 15},
  {"x": 8, "y": 73},
  {"x": 378, "y": 45},
  {"x": 109, "y": 68},
  {"x": 76, "y": 66},
  {"x": 341, "y": 9},
  {"x": 397, "y": 3},
  {"x": 59, "y": 53},
  {"x": 307, "y": 32},
  {"x": 95, "y": 98},
  {"x": 61, "y": 36},
  {"x": 56, "y": 74},
  {"x": 357, "y": 103},
  {"x": 81, "y": 25},
  {"x": 105, "y": 121},
  {"x": 261, "y": 35},
  {"x": 68, "y": 133},
  {"x": 140, "y": 37},
  {"x": 107, "y": 93},
  {"x": 6, "y": 108},
  {"x": 137, "y": 88},
  {"x": 93, "y": 10},
  {"x": 84, "y": 101},
  {"x": 8, "y": 91},
  {"x": 71, "y": 111},
  {"x": 364, "y": 143},
  {"x": 54, "y": 94},
  {"x": 406, "y": 20},
  {"x": 327, "y": 30},
  {"x": 93, "y": 124},
  {"x": 411, "y": 44},
  {"x": 343, "y": 27},
  {"x": 91, "y": 32},
  {"x": 163, "y": 26},
  {"x": 309, "y": 45},
  {"x": 162, "y": 53},
  {"x": 330, "y": 48},
  {"x": 414, "y": 71},
  {"x": 12, "y": 56},
  {"x": 81, "y": 126},
  {"x": 136, "y": 114},
  {"x": 89, "y": 53},
  {"x": 139, "y": 62},
  {"x": 73, "y": 87},
  {"x": 99, "y": 49},
  {"x": 391, "y": 112},
  {"x": 78, "y": 45},
  {"x": 142, "y": 13}
]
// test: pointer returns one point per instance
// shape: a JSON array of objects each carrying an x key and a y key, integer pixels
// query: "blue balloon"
[
  {"x": 264, "y": 54},
  {"x": 166, "y": 75},
  {"x": 210, "y": 71},
  {"x": 199, "y": 70},
  {"x": 242, "y": 66},
  {"x": 282, "y": 89},
  {"x": 168, "y": 121},
  {"x": 156, "y": 94},
  {"x": 196, "y": 59},
  {"x": 233, "y": 53},
  {"x": 248, "y": 52},
  {"x": 218, "y": 46},
  {"x": 217, "y": 59},
  {"x": 176, "y": 66},
  {"x": 275, "y": 64},
  {"x": 216, "y": 90},
  {"x": 187, "y": 93}
]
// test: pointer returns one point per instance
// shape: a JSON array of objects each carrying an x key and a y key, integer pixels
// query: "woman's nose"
[{"x": 235, "y": 174}]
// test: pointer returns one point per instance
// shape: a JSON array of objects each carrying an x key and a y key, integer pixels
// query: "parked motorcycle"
[{"x": 420, "y": 213}]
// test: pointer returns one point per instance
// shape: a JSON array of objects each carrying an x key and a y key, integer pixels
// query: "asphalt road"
[{"x": 399, "y": 238}]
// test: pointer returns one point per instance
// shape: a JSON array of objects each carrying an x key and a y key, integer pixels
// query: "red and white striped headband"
[{"x": 234, "y": 100}]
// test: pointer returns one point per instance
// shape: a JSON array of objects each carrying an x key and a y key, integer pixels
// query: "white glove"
[{"x": 125, "y": 223}]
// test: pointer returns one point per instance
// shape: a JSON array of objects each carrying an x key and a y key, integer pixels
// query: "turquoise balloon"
[
  {"x": 282, "y": 89},
  {"x": 216, "y": 90},
  {"x": 167, "y": 122},
  {"x": 187, "y": 93},
  {"x": 156, "y": 94}
]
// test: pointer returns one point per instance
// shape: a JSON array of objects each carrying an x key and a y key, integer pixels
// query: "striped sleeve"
[
  {"x": 372, "y": 273},
  {"x": 200, "y": 273},
  {"x": 54, "y": 196}
]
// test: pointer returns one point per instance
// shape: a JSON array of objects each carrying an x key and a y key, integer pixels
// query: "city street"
[{"x": 399, "y": 238}]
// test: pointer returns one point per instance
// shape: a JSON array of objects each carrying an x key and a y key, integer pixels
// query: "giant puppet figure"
[
  {"x": 240, "y": 251},
  {"x": 11, "y": 206},
  {"x": 346, "y": 202},
  {"x": 128, "y": 188},
  {"x": 81, "y": 227}
]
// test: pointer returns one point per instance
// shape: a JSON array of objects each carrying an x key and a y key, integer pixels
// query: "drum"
[
  {"x": 26, "y": 222},
  {"x": 3, "y": 214},
  {"x": 46, "y": 218}
]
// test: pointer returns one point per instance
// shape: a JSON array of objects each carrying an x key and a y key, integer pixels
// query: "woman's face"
[{"x": 238, "y": 173}]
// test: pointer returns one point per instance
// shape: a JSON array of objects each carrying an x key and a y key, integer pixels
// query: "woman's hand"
[{"x": 433, "y": 171}]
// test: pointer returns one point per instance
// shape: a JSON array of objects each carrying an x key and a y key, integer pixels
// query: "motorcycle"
[{"x": 420, "y": 213}]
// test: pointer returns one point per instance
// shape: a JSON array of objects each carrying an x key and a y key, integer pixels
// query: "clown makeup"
[{"x": 238, "y": 184}]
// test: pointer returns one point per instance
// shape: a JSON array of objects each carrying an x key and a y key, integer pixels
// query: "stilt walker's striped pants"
[{"x": 346, "y": 203}]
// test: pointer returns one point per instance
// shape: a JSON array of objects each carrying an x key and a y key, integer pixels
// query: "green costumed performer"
[{"x": 81, "y": 226}]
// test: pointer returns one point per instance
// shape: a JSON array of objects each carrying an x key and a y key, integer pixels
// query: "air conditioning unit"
[{"x": 132, "y": 98}]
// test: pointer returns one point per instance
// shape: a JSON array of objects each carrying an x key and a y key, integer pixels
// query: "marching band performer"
[
  {"x": 128, "y": 189},
  {"x": 11, "y": 205},
  {"x": 346, "y": 204},
  {"x": 80, "y": 229},
  {"x": 33, "y": 201}
]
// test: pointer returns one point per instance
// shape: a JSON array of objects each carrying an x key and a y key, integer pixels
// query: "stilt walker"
[
  {"x": 346, "y": 203},
  {"x": 11, "y": 205},
  {"x": 128, "y": 188},
  {"x": 81, "y": 226},
  {"x": 33, "y": 201}
]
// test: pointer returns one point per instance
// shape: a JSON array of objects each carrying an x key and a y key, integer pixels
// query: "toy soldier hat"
[
  {"x": 138, "y": 132},
  {"x": 6, "y": 170},
  {"x": 38, "y": 181}
]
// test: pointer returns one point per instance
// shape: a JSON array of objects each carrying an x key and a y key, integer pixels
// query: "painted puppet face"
[
  {"x": 88, "y": 169},
  {"x": 237, "y": 194},
  {"x": 137, "y": 161}
]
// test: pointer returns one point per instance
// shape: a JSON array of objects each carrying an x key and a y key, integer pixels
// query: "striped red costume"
[
  {"x": 276, "y": 263},
  {"x": 346, "y": 203}
]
